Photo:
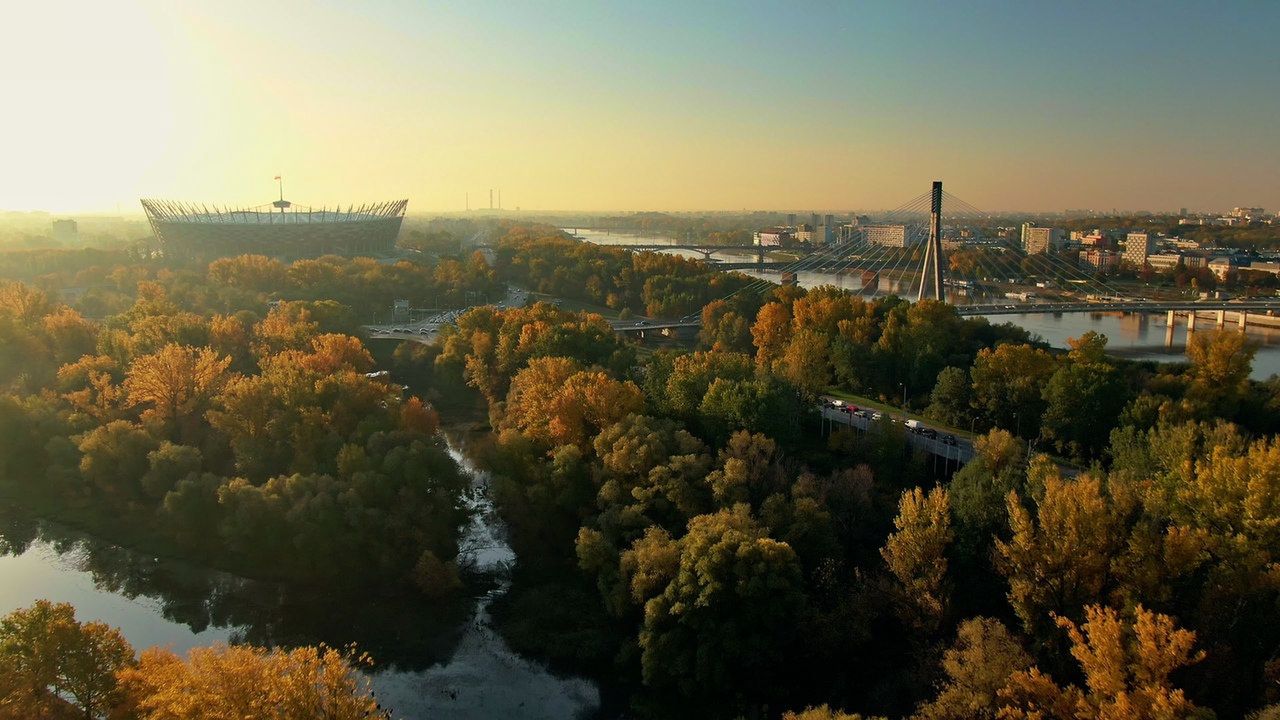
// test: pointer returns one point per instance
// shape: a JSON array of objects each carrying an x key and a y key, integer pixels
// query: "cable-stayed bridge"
[{"x": 994, "y": 277}]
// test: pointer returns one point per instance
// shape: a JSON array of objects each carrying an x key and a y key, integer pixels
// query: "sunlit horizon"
[{"x": 585, "y": 107}]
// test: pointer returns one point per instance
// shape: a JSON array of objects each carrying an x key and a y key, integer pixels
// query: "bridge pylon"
[{"x": 932, "y": 270}]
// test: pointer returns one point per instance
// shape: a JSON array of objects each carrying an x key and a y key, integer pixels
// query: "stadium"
[{"x": 278, "y": 229}]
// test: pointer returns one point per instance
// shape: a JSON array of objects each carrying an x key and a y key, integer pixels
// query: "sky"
[{"x": 656, "y": 105}]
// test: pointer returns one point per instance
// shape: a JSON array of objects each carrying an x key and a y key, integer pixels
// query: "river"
[
  {"x": 1131, "y": 335},
  {"x": 434, "y": 660}
]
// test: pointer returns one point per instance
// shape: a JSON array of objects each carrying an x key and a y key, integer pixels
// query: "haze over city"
[{"x": 662, "y": 105}]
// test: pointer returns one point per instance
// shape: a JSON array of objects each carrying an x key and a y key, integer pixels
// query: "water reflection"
[
  {"x": 405, "y": 632},
  {"x": 435, "y": 659}
]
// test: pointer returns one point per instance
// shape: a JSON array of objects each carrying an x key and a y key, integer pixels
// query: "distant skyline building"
[
  {"x": 66, "y": 232},
  {"x": 772, "y": 237},
  {"x": 1038, "y": 240}
]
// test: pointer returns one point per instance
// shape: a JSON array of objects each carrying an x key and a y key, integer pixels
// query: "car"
[
  {"x": 876, "y": 415},
  {"x": 424, "y": 331},
  {"x": 928, "y": 432},
  {"x": 862, "y": 414},
  {"x": 828, "y": 404},
  {"x": 640, "y": 323},
  {"x": 948, "y": 439},
  {"x": 849, "y": 409}
]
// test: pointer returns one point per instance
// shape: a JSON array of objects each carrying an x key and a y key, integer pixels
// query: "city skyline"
[{"x": 578, "y": 107}]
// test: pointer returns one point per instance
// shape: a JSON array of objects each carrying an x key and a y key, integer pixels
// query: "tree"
[
  {"x": 45, "y": 651},
  {"x": 176, "y": 384},
  {"x": 114, "y": 459},
  {"x": 951, "y": 399},
  {"x": 977, "y": 666},
  {"x": 1082, "y": 402},
  {"x": 824, "y": 712},
  {"x": 244, "y": 681},
  {"x": 806, "y": 361},
  {"x": 1060, "y": 560},
  {"x": 1220, "y": 365},
  {"x": 917, "y": 556},
  {"x": 978, "y": 489},
  {"x": 726, "y": 613},
  {"x": 1008, "y": 384},
  {"x": 1127, "y": 668},
  {"x": 553, "y": 401},
  {"x": 723, "y": 329},
  {"x": 771, "y": 333}
]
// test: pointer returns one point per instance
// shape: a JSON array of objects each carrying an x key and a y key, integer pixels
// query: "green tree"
[
  {"x": 728, "y": 611},
  {"x": 1082, "y": 403},
  {"x": 1008, "y": 386},
  {"x": 952, "y": 398}
]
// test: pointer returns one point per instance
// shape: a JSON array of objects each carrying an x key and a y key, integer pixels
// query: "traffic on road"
[
  {"x": 940, "y": 442},
  {"x": 425, "y": 329}
]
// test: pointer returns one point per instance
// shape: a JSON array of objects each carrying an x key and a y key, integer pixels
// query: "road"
[
  {"x": 961, "y": 452},
  {"x": 425, "y": 330}
]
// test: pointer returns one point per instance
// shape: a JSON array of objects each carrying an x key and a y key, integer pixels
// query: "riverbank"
[{"x": 434, "y": 659}]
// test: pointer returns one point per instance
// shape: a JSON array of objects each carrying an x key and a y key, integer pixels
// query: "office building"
[
  {"x": 1040, "y": 239},
  {"x": 887, "y": 235},
  {"x": 1137, "y": 247}
]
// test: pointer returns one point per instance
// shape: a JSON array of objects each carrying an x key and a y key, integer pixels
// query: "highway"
[{"x": 962, "y": 452}]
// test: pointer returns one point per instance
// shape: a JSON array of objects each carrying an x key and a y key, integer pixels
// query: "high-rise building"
[
  {"x": 1040, "y": 239},
  {"x": 887, "y": 235},
  {"x": 1138, "y": 246},
  {"x": 65, "y": 232},
  {"x": 791, "y": 219},
  {"x": 824, "y": 234}
]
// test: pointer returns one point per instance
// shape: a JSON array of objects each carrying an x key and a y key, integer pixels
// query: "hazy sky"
[{"x": 640, "y": 105}]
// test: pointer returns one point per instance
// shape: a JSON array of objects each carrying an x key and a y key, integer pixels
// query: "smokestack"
[
  {"x": 490, "y": 198},
  {"x": 499, "y": 198}
]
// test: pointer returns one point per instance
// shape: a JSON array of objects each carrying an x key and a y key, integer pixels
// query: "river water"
[
  {"x": 434, "y": 661},
  {"x": 1132, "y": 335}
]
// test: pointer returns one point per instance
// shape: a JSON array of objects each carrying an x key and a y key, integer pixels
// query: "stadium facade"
[{"x": 279, "y": 229}]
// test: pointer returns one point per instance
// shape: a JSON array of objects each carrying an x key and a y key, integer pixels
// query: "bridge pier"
[
  {"x": 1222, "y": 319},
  {"x": 1191, "y": 322},
  {"x": 1244, "y": 319}
]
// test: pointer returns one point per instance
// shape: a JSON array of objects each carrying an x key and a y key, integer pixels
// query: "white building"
[
  {"x": 1040, "y": 239},
  {"x": 887, "y": 235}
]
